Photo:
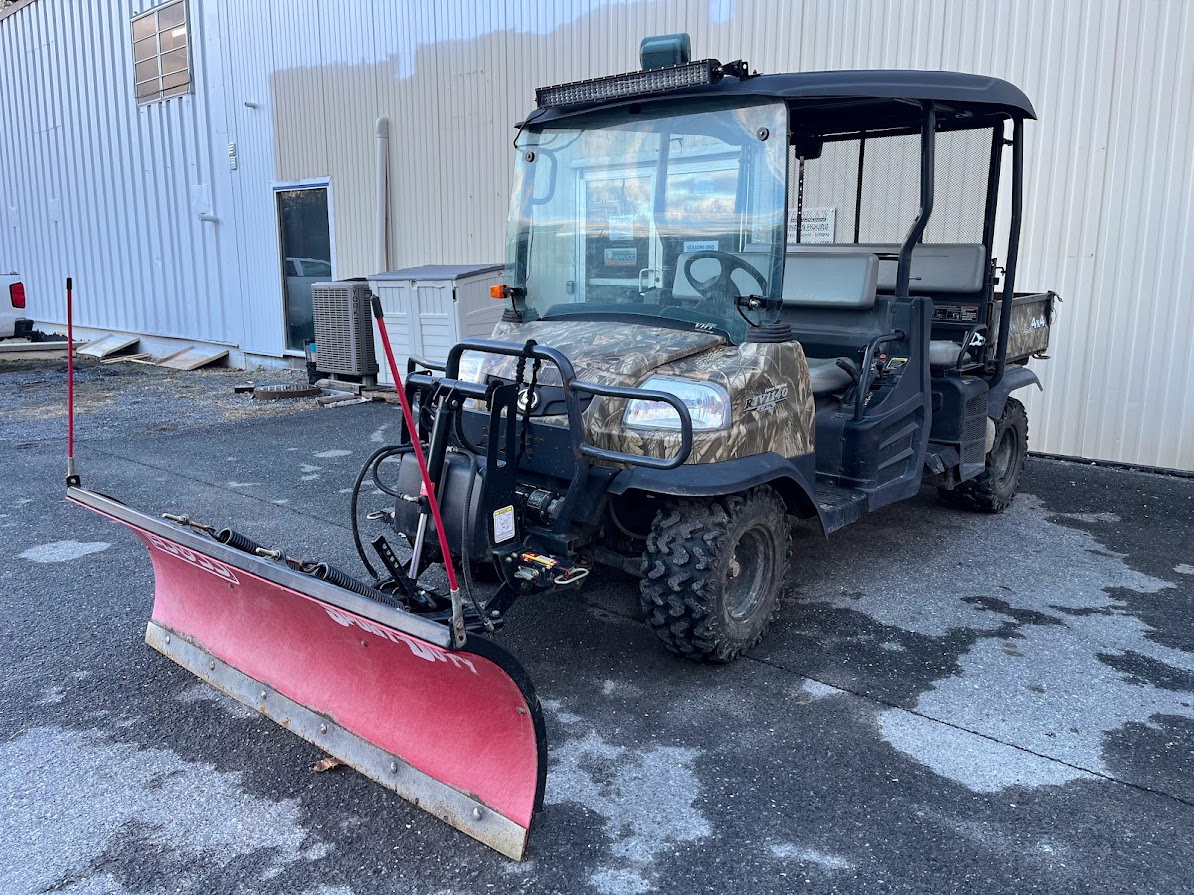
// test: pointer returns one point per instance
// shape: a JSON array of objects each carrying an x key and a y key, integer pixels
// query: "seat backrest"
[
  {"x": 705, "y": 268},
  {"x": 839, "y": 280},
  {"x": 952, "y": 268}
]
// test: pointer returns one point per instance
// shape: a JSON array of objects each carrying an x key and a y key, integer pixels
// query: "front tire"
[
  {"x": 714, "y": 571},
  {"x": 992, "y": 490}
]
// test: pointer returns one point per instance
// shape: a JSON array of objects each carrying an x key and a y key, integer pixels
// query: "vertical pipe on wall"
[{"x": 381, "y": 255}]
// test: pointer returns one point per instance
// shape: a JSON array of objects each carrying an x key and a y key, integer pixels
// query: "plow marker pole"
[
  {"x": 72, "y": 478},
  {"x": 458, "y": 634}
]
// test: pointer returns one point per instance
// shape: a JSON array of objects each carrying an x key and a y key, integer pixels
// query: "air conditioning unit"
[{"x": 344, "y": 328}]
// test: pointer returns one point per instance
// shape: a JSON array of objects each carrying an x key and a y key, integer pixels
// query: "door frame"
[{"x": 278, "y": 186}]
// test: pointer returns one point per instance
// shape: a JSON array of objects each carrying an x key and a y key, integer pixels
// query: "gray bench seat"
[{"x": 826, "y": 376}]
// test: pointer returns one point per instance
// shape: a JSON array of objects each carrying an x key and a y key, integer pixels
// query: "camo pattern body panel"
[
  {"x": 1032, "y": 320},
  {"x": 768, "y": 384},
  {"x": 607, "y": 352}
]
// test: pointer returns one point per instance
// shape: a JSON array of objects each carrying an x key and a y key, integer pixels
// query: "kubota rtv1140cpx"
[{"x": 731, "y": 299}]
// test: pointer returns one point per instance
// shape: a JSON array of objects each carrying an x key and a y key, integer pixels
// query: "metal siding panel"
[
  {"x": 74, "y": 152},
  {"x": 1109, "y": 204}
]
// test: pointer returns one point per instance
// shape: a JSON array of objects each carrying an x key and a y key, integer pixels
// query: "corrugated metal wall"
[
  {"x": 1110, "y": 202},
  {"x": 95, "y": 187},
  {"x": 1110, "y": 190}
]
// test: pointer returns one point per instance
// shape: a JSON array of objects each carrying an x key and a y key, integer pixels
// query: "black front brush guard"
[
  {"x": 448, "y": 393},
  {"x": 573, "y": 388}
]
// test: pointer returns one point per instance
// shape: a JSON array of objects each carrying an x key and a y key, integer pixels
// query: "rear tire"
[
  {"x": 992, "y": 490},
  {"x": 714, "y": 571}
]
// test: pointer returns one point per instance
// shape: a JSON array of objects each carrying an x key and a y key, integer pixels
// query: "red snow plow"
[
  {"x": 455, "y": 730},
  {"x": 442, "y": 716}
]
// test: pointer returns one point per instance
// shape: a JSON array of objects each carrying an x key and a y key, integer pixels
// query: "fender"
[
  {"x": 1013, "y": 378},
  {"x": 792, "y": 478}
]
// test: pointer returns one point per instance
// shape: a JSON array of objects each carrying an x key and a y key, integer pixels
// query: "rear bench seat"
[{"x": 944, "y": 271}]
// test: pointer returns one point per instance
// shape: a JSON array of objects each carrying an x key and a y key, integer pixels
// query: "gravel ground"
[
  {"x": 129, "y": 398},
  {"x": 948, "y": 703}
]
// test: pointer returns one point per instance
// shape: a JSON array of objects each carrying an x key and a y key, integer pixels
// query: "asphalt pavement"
[{"x": 948, "y": 702}]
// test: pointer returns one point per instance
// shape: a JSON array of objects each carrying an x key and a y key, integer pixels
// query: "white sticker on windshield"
[
  {"x": 621, "y": 227},
  {"x": 503, "y": 524},
  {"x": 700, "y": 245}
]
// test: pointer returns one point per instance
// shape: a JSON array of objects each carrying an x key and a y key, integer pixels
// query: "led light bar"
[{"x": 635, "y": 83}]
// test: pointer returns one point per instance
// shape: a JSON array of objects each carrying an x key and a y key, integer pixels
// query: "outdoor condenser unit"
[{"x": 344, "y": 328}]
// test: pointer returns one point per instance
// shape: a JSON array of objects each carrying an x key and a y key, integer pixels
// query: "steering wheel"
[{"x": 717, "y": 289}]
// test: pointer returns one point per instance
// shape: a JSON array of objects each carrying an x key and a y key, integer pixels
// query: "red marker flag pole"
[
  {"x": 72, "y": 478},
  {"x": 457, "y": 617}
]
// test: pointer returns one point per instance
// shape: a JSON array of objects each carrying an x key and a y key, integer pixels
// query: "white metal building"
[{"x": 189, "y": 161}]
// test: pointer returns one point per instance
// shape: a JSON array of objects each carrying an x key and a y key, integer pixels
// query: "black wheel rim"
[{"x": 748, "y": 576}]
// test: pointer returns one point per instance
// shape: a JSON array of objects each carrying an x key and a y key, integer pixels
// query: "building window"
[{"x": 161, "y": 53}]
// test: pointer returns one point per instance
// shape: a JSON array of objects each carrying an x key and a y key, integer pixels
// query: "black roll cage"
[
  {"x": 832, "y": 106},
  {"x": 931, "y": 121}
]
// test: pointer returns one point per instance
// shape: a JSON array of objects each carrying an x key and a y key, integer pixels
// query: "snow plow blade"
[{"x": 457, "y": 732}]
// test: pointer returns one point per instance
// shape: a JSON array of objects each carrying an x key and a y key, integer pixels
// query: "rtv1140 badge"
[{"x": 765, "y": 402}]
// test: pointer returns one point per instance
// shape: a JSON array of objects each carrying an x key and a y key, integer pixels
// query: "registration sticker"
[{"x": 503, "y": 524}]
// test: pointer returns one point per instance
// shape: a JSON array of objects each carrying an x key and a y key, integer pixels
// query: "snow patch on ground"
[
  {"x": 63, "y": 551},
  {"x": 83, "y": 798},
  {"x": 814, "y": 690},
  {"x": 332, "y": 454},
  {"x": 557, "y": 710},
  {"x": 615, "y": 782},
  {"x": 1048, "y": 686},
  {"x": 201, "y": 692},
  {"x": 786, "y": 851},
  {"x": 1092, "y": 518}
]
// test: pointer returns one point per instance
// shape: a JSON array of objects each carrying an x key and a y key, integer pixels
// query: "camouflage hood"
[{"x": 609, "y": 352}]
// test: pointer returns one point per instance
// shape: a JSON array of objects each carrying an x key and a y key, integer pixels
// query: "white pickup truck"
[{"x": 13, "y": 322}]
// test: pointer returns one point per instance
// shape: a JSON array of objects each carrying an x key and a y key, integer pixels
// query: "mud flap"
[{"x": 459, "y": 733}]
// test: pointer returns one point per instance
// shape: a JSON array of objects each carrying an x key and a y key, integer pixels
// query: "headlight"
[
  {"x": 708, "y": 405},
  {"x": 470, "y": 366}
]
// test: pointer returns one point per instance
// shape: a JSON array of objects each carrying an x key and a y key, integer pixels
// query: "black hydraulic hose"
[{"x": 370, "y": 470}]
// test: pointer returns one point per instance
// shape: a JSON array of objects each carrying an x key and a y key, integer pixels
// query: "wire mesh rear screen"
[{"x": 890, "y": 190}]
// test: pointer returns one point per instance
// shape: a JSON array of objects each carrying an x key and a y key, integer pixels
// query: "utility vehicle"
[
  {"x": 731, "y": 299},
  {"x": 685, "y": 362}
]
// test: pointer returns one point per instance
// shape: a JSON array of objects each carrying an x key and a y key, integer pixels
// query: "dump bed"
[{"x": 1032, "y": 320}]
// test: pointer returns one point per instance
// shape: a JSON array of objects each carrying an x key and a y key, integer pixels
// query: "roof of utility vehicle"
[{"x": 854, "y": 99}]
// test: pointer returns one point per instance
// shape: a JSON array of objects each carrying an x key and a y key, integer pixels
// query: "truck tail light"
[{"x": 16, "y": 292}]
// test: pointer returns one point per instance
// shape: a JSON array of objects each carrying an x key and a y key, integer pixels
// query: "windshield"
[{"x": 653, "y": 213}]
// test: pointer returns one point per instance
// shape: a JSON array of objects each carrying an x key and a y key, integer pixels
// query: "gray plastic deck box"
[{"x": 428, "y": 309}]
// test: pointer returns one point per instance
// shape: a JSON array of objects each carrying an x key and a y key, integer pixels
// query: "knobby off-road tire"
[
  {"x": 714, "y": 571},
  {"x": 992, "y": 490}
]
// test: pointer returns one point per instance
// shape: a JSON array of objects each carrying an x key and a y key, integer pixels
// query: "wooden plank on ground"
[
  {"x": 107, "y": 345},
  {"x": 121, "y": 358},
  {"x": 193, "y": 358}
]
